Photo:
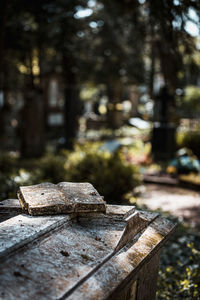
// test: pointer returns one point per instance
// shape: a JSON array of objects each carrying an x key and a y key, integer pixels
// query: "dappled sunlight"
[
  {"x": 105, "y": 92},
  {"x": 174, "y": 200}
]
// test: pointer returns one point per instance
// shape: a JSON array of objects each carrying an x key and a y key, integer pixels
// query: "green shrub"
[
  {"x": 15, "y": 172},
  {"x": 190, "y": 103},
  {"x": 8, "y": 187},
  {"x": 50, "y": 168},
  {"x": 190, "y": 140},
  {"x": 109, "y": 174},
  {"x": 8, "y": 170},
  {"x": 8, "y": 163}
]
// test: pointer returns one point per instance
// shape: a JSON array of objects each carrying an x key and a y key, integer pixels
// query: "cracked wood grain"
[
  {"x": 65, "y": 197},
  {"x": 22, "y": 229},
  {"x": 77, "y": 260}
]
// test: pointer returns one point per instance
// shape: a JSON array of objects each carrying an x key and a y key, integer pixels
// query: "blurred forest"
[
  {"x": 104, "y": 92},
  {"x": 104, "y": 60}
]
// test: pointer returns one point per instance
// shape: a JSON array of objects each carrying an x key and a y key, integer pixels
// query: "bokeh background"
[{"x": 108, "y": 92}]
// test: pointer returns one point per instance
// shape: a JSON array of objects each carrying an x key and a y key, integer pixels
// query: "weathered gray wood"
[
  {"x": 22, "y": 229},
  {"x": 7, "y": 215},
  {"x": 144, "y": 285},
  {"x": 147, "y": 279},
  {"x": 79, "y": 261},
  {"x": 9, "y": 208},
  {"x": 65, "y": 197},
  {"x": 148, "y": 216},
  {"x": 121, "y": 210},
  {"x": 133, "y": 221},
  {"x": 122, "y": 269},
  {"x": 56, "y": 263},
  {"x": 129, "y": 293},
  {"x": 42, "y": 198},
  {"x": 10, "y": 205},
  {"x": 134, "y": 224}
]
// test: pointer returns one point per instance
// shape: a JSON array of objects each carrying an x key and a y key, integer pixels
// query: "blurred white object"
[{"x": 139, "y": 123}]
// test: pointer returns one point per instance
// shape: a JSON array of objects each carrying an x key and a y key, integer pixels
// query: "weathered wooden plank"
[
  {"x": 147, "y": 278},
  {"x": 42, "y": 198},
  {"x": 143, "y": 285},
  {"x": 9, "y": 208},
  {"x": 22, "y": 229},
  {"x": 121, "y": 210},
  {"x": 148, "y": 216},
  {"x": 133, "y": 221},
  {"x": 113, "y": 213},
  {"x": 122, "y": 268},
  {"x": 10, "y": 205},
  {"x": 134, "y": 224},
  {"x": 79, "y": 261},
  {"x": 65, "y": 197},
  {"x": 57, "y": 262},
  {"x": 7, "y": 215}
]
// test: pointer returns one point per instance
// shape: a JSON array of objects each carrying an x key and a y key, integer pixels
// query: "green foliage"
[
  {"x": 110, "y": 174},
  {"x": 7, "y": 172},
  {"x": 191, "y": 100},
  {"x": 7, "y": 163},
  {"x": 50, "y": 168},
  {"x": 8, "y": 187},
  {"x": 14, "y": 172},
  {"x": 190, "y": 140},
  {"x": 179, "y": 270}
]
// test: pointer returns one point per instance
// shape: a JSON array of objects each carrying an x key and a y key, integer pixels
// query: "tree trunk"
[
  {"x": 152, "y": 72},
  {"x": 33, "y": 125},
  {"x": 72, "y": 108},
  {"x": 72, "y": 112},
  {"x": 3, "y": 18}
]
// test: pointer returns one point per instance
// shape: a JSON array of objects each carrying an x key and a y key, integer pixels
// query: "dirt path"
[{"x": 177, "y": 201}]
